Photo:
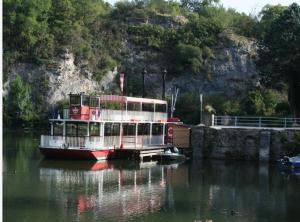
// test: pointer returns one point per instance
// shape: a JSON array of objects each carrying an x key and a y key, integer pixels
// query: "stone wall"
[{"x": 237, "y": 143}]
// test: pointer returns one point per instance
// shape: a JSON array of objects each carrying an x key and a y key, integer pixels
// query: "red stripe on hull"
[{"x": 77, "y": 154}]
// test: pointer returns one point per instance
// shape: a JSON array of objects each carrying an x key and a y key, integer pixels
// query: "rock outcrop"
[
  {"x": 230, "y": 71},
  {"x": 61, "y": 77}
]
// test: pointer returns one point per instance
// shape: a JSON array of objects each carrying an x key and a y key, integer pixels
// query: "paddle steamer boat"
[{"x": 95, "y": 127}]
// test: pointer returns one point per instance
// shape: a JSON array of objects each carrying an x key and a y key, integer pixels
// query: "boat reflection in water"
[{"x": 105, "y": 190}]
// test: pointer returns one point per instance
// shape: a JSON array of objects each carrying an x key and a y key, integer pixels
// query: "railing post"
[
  {"x": 163, "y": 139},
  {"x": 212, "y": 119},
  {"x": 285, "y": 122},
  {"x": 126, "y": 114},
  {"x": 150, "y": 142},
  {"x": 136, "y": 134},
  {"x": 154, "y": 115},
  {"x": 64, "y": 129},
  {"x": 42, "y": 141},
  {"x": 52, "y": 130},
  {"x": 235, "y": 120},
  {"x": 259, "y": 122}
]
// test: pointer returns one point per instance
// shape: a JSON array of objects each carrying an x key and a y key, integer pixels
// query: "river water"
[{"x": 35, "y": 189}]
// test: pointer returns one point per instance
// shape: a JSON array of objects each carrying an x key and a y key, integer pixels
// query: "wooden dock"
[{"x": 141, "y": 153}]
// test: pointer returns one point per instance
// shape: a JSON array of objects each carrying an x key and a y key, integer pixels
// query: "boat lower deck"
[
  {"x": 140, "y": 153},
  {"x": 123, "y": 153}
]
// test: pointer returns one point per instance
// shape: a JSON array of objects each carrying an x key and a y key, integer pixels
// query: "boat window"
[
  {"x": 129, "y": 129},
  {"x": 58, "y": 128},
  {"x": 82, "y": 129},
  {"x": 71, "y": 129},
  {"x": 94, "y": 129},
  {"x": 133, "y": 106},
  {"x": 94, "y": 102},
  {"x": 76, "y": 129},
  {"x": 112, "y": 129},
  {"x": 160, "y": 108},
  {"x": 85, "y": 100},
  {"x": 144, "y": 129},
  {"x": 110, "y": 105},
  {"x": 148, "y": 107},
  {"x": 157, "y": 129},
  {"x": 75, "y": 100}
]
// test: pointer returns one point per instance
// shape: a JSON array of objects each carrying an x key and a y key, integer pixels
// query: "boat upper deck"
[{"x": 115, "y": 108}]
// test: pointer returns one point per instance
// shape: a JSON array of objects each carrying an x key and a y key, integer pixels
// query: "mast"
[{"x": 122, "y": 76}]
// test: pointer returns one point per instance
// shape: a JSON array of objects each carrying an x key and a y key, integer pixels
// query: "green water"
[{"x": 35, "y": 189}]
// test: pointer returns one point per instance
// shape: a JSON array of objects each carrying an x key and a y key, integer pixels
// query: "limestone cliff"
[
  {"x": 230, "y": 71},
  {"x": 58, "y": 79}
]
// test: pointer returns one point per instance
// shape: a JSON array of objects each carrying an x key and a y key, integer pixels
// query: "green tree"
[
  {"x": 199, "y": 31},
  {"x": 279, "y": 55},
  {"x": 261, "y": 102},
  {"x": 25, "y": 27},
  {"x": 196, "y": 5},
  {"x": 268, "y": 15},
  {"x": 61, "y": 20},
  {"x": 162, "y": 6},
  {"x": 188, "y": 57},
  {"x": 19, "y": 105},
  {"x": 86, "y": 11}
]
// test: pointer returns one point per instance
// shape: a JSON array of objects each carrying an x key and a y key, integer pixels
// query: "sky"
[
  {"x": 246, "y": 6},
  {"x": 254, "y": 6}
]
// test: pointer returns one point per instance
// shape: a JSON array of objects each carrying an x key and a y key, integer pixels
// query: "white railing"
[
  {"x": 94, "y": 142},
  {"x": 260, "y": 122},
  {"x": 52, "y": 141},
  {"x": 71, "y": 142},
  {"x": 112, "y": 141},
  {"x": 118, "y": 115},
  {"x": 99, "y": 142}
]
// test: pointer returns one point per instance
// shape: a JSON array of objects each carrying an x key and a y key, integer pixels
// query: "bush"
[
  {"x": 19, "y": 106},
  {"x": 261, "y": 102},
  {"x": 231, "y": 107},
  {"x": 188, "y": 57}
]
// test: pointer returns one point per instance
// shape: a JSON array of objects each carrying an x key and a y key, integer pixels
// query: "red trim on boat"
[{"x": 77, "y": 154}]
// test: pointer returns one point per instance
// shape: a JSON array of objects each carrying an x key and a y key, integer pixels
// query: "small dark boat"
[{"x": 293, "y": 162}]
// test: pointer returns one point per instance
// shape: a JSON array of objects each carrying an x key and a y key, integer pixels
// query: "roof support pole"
[{"x": 150, "y": 142}]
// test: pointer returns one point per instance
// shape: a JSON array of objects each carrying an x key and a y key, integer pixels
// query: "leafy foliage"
[
  {"x": 196, "y": 5},
  {"x": 25, "y": 28},
  {"x": 18, "y": 105},
  {"x": 152, "y": 36},
  {"x": 279, "y": 54},
  {"x": 261, "y": 102},
  {"x": 268, "y": 15},
  {"x": 188, "y": 57},
  {"x": 258, "y": 102}
]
